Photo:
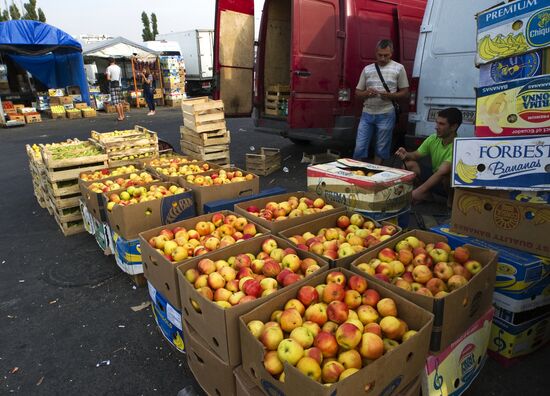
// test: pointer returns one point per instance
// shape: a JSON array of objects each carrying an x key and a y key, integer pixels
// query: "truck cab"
[{"x": 300, "y": 79}]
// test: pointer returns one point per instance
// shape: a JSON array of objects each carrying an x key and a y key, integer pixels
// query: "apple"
[
  {"x": 290, "y": 351},
  {"x": 387, "y": 255},
  {"x": 313, "y": 327},
  {"x": 206, "y": 266},
  {"x": 348, "y": 335},
  {"x": 216, "y": 280},
  {"x": 422, "y": 274},
  {"x": 371, "y": 297},
  {"x": 460, "y": 270},
  {"x": 272, "y": 363},
  {"x": 269, "y": 283},
  {"x": 291, "y": 278},
  {"x": 424, "y": 291},
  {"x": 373, "y": 328},
  {"x": 389, "y": 344},
  {"x": 343, "y": 222},
  {"x": 333, "y": 292},
  {"x": 346, "y": 373},
  {"x": 303, "y": 336},
  {"x": 352, "y": 298},
  {"x": 310, "y": 368},
  {"x": 435, "y": 285},
  {"x": 402, "y": 284},
  {"x": 236, "y": 297},
  {"x": 351, "y": 358},
  {"x": 206, "y": 292},
  {"x": 336, "y": 277},
  {"x": 473, "y": 266},
  {"x": 191, "y": 275},
  {"x": 413, "y": 241},
  {"x": 443, "y": 271},
  {"x": 316, "y": 313},
  {"x": 290, "y": 319},
  {"x": 357, "y": 220},
  {"x": 327, "y": 343},
  {"x": 330, "y": 327},
  {"x": 443, "y": 245},
  {"x": 252, "y": 288},
  {"x": 331, "y": 371},
  {"x": 461, "y": 254},
  {"x": 296, "y": 304},
  {"x": 314, "y": 353},
  {"x": 307, "y": 295},
  {"x": 367, "y": 314},
  {"x": 408, "y": 335},
  {"x": 397, "y": 267},
  {"x": 387, "y": 307},
  {"x": 456, "y": 281},
  {"x": 403, "y": 245},
  {"x": 337, "y": 311},
  {"x": 269, "y": 245},
  {"x": 372, "y": 346},
  {"x": 365, "y": 267},
  {"x": 291, "y": 261},
  {"x": 201, "y": 281},
  {"x": 391, "y": 327},
  {"x": 439, "y": 255}
]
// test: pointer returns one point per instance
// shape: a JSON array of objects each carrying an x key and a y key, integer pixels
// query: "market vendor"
[{"x": 439, "y": 147}]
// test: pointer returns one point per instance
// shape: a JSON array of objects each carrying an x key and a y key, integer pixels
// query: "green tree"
[
  {"x": 146, "y": 34},
  {"x": 4, "y": 16},
  {"x": 41, "y": 16},
  {"x": 30, "y": 10},
  {"x": 14, "y": 12},
  {"x": 154, "y": 25}
]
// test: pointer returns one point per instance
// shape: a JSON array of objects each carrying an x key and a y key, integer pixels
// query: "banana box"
[
  {"x": 508, "y": 163},
  {"x": 516, "y": 336},
  {"x": 519, "y": 107},
  {"x": 103, "y": 237},
  {"x": 497, "y": 217},
  {"x": 521, "y": 277},
  {"x": 452, "y": 371},
  {"x": 128, "y": 254},
  {"x": 167, "y": 318},
  {"x": 87, "y": 219},
  {"x": 528, "y": 65},
  {"x": 512, "y": 29}
]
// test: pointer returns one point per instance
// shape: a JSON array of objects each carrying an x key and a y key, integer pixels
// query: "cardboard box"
[
  {"x": 244, "y": 384},
  {"x": 532, "y": 64},
  {"x": 223, "y": 338},
  {"x": 329, "y": 221},
  {"x": 458, "y": 310},
  {"x": 159, "y": 270},
  {"x": 511, "y": 29},
  {"x": 104, "y": 237},
  {"x": 204, "y": 194},
  {"x": 519, "y": 107},
  {"x": 80, "y": 106},
  {"x": 16, "y": 117},
  {"x": 492, "y": 216},
  {"x": 61, "y": 100},
  {"x": 518, "y": 273},
  {"x": 278, "y": 226},
  {"x": 387, "y": 190},
  {"x": 520, "y": 335},
  {"x": 33, "y": 118},
  {"x": 158, "y": 170},
  {"x": 538, "y": 295},
  {"x": 127, "y": 254},
  {"x": 129, "y": 221},
  {"x": 213, "y": 374},
  {"x": 167, "y": 318},
  {"x": 519, "y": 163},
  {"x": 452, "y": 371},
  {"x": 87, "y": 219},
  {"x": 387, "y": 375}
]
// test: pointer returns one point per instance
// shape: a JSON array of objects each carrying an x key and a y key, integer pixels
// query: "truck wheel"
[{"x": 299, "y": 142}]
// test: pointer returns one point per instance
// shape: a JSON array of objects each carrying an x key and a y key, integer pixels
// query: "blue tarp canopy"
[{"x": 52, "y": 56}]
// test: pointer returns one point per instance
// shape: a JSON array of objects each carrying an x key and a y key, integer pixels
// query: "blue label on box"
[
  {"x": 505, "y": 13},
  {"x": 538, "y": 28},
  {"x": 167, "y": 317},
  {"x": 521, "y": 66},
  {"x": 128, "y": 255},
  {"x": 177, "y": 207}
]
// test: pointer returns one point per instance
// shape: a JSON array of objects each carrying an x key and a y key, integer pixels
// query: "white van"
[{"x": 444, "y": 72}]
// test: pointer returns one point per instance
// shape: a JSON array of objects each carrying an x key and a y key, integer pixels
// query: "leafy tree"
[
  {"x": 30, "y": 9},
  {"x": 4, "y": 15},
  {"x": 154, "y": 25},
  {"x": 41, "y": 16},
  {"x": 146, "y": 34},
  {"x": 14, "y": 12}
]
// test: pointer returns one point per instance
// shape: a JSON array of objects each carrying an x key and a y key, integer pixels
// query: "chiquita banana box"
[
  {"x": 167, "y": 317},
  {"x": 512, "y": 29},
  {"x": 508, "y": 163},
  {"x": 519, "y": 107},
  {"x": 528, "y": 65}
]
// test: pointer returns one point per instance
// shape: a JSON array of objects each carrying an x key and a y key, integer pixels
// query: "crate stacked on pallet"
[
  {"x": 276, "y": 100},
  {"x": 36, "y": 167},
  {"x": 127, "y": 146},
  {"x": 265, "y": 163},
  {"x": 62, "y": 167},
  {"x": 204, "y": 135}
]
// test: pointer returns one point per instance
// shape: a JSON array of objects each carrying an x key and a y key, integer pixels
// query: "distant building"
[{"x": 93, "y": 38}]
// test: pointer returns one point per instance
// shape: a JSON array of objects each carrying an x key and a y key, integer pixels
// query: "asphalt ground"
[{"x": 65, "y": 307}]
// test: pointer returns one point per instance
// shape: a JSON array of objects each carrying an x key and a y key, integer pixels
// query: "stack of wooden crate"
[
  {"x": 36, "y": 167},
  {"x": 204, "y": 135},
  {"x": 127, "y": 146},
  {"x": 275, "y": 97},
  {"x": 61, "y": 181},
  {"x": 265, "y": 163}
]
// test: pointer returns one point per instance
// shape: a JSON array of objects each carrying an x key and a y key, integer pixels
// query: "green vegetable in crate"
[{"x": 74, "y": 151}]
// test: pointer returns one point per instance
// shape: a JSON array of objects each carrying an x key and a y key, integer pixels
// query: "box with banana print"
[
  {"x": 512, "y": 29},
  {"x": 511, "y": 108},
  {"x": 512, "y": 163}
]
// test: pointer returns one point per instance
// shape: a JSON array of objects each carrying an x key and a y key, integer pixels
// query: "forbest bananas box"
[
  {"x": 452, "y": 371},
  {"x": 512, "y": 29},
  {"x": 521, "y": 276},
  {"x": 390, "y": 374},
  {"x": 458, "y": 310},
  {"x": 519, "y": 107},
  {"x": 127, "y": 254},
  {"x": 512, "y": 163},
  {"x": 362, "y": 187},
  {"x": 527, "y": 65},
  {"x": 497, "y": 217},
  {"x": 167, "y": 318},
  {"x": 517, "y": 335}
]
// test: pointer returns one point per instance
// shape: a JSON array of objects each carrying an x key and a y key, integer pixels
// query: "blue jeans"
[{"x": 380, "y": 125}]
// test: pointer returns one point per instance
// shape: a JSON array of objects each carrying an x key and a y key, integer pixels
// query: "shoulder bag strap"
[{"x": 381, "y": 78}]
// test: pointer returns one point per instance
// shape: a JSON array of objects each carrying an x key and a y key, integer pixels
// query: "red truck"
[{"x": 300, "y": 79}]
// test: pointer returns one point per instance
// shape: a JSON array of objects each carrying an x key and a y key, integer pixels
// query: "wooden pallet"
[
  {"x": 67, "y": 201},
  {"x": 66, "y": 187},
  {"x": 265, "y": 163},
  {"x": 212, "y": 138},
  {"x": 222, "y": 162},
  {"x": 71, "y": 227},
  {"x": 66, "y": 215},
  {"x": 70, "y": 168},
  {"x": 203, "y": 114},
  {"x": 205, "y": 153}
]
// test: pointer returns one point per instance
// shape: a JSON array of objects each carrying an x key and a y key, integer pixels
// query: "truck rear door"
[
  {"x": 234, "y": 55},
  {"x": 315, "y": 63},
  {"x": 410, "y": 20}
]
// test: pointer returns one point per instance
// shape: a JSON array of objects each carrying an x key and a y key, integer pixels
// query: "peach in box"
[
  {"x": 456, "y": 311},
  {"x": 404, "y": 362},
  {"x": 223, "y": 338},
  {"x": 160, "y": 271}
]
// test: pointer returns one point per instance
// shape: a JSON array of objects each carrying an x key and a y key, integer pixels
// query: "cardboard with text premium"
[
  {"x": 389, "y": 374},
  {"x": 217, "y": 326},
  {"x": 159, "y": 270},
  {"x": 455, "y": 312}
]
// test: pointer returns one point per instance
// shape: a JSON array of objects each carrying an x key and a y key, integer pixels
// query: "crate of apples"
[
  {"x": 340, "y": 235},
  {"x": 133, "y": 195},
  {"x": 219, "y": 177},
  {"x": 290, "y": 208},
  {"x": 105, "y": 173},
  {"x": 171, "y": 160},
  {"x": 176, "y": 170},
  {"x": 112, "y": 184},
  {"x": 430, "y": 269},
  {"x": 333, "y": 327}
]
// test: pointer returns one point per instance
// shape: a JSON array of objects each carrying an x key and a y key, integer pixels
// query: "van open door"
[
  {"x": 234, "y": 55},
  {"x": 410, "y": 20}
]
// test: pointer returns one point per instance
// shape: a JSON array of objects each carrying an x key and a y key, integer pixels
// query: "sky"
[{"x": 123, "y": 17}]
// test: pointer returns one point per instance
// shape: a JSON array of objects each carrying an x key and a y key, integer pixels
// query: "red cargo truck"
[{"x": 300, "y": 79}]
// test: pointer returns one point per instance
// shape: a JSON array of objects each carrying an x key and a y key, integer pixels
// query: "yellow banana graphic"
[
  {"x": 467, "y": 202},
  {"x": 178, "y": 342},
  {"x": 501, "y": 46},
  {"x": 467, "y": 173}
]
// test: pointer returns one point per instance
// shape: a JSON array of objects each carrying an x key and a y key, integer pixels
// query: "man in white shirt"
[
  {"x": 114, "y": 73},
  {"x": 379, "y": 115}
]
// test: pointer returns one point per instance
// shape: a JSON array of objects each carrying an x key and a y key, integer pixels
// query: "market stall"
[
  {"x": 132, "y": 59},
  {"x": 36, "y": 57}
]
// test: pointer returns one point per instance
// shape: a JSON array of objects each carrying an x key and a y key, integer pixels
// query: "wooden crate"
[
  {"x": 89, "y": 113},
  {"x": 203, "y": 114},
  {"x": 71, "y": 227},
  {"x": 274, "y": 95},
  {"x": 33, "y": 118},
  {"x": 63, "y": 188},
  {"x": 265, "y": 163},
  {"x": 172, "y": 102},
  {"x": 64, "y": 202},
  {"x": 55, "y": 116},
  {"x": 71, "y": 115},
  {"x": 66, "y": 215},
  {"x": 212, "y": 138},
  {"x": 205, "y": 153},
  {"x": 222, "y": 162}
]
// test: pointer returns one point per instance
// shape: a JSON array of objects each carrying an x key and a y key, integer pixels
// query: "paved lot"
[{"x": 64, "y": 306}]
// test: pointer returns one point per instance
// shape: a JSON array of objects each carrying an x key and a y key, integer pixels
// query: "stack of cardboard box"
[{"x": 173, "y": 79}]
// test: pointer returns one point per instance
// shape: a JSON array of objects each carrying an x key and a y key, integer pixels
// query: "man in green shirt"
[{"x": 439, "y": 147}]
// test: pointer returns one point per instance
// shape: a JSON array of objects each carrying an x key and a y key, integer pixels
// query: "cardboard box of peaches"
[
  {"x": 335, "y": 333},
  {"x": 456, "y": 285}
]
